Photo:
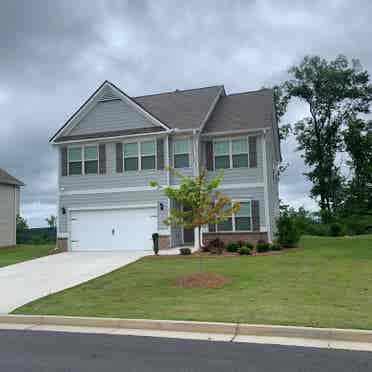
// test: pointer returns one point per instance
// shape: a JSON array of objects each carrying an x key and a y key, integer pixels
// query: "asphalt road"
[{"x": 33, "y": 351}]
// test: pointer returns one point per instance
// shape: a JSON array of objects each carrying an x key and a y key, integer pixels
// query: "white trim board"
[{"x": 232, "y": 186}]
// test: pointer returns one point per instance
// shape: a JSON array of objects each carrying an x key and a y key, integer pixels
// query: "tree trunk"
[{"x": 197, "y": 242}]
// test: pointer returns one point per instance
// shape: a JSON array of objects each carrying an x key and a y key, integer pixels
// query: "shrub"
[
  {"x": 244, "y": 251},
  {"x": 262, "y": 246},
  {"x": 215, "y": 246},
  {"x": 233, "y": 247},
  {"x": 335, "y": 229},
  {"x": 276, "y": 247},
  {"x": 288, "y": 233},
  {"x": 241, "y": 243},
  {"x": 185, "y": 251}
]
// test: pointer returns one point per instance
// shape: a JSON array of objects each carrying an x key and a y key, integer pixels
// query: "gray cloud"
[{"x": 54, "y": 54}]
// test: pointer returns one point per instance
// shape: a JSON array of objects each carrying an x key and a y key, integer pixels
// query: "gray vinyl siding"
[
  {"x": 176, "y": 232},
  {"x": 112, "y": 200},
  {"x": 110, "y": 116},
  {"x": 9, "y": 208},
  {"x": 238, "y": 175}
]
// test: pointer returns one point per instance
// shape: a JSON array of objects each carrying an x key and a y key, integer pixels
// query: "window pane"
[
  {"x": 148, "y": 148},
  {"x": 245, "y": 209},
  {"x": 74, "y": 154},
  {"x": 221, "y": 147},
  {"x": 240, "y": 161},
  {"x": 181, "y": 161},
  {"x": 242, "y": 223},
  {"x": 74, "y": 168},
  {"x": 239, "y": 146},
  {"x": 181, "y": 146},
  {"x": 225, "y": 225},
  {"x": 222, "y": 162},
  {"x": 90, "y": 153},
  {"x": 148, "y": 162},
  {"x": 91, "y": 167},
  {"x": 130, "y": 164},
  {"x": 130, "y": 149}
]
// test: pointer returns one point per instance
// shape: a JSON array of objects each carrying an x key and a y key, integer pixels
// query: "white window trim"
[
  {"x": 139, "y": 157},
  {"x": 230, "y": 154},
  {"x": 82, "y": 148},
  {"x": 233, "y": 216},
  {"x": 189, "y": 152}
]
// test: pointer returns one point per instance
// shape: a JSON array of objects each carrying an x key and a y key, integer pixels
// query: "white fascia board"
[
  {"x": 233, "y": 186},
  {"x": 109, "y": 139},
  {"x": 231, "y": 132}
]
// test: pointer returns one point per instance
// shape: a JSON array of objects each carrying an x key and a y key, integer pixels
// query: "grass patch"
[
  {"x": 20, "y": 253},
  {"x": 327, "y": 284}
]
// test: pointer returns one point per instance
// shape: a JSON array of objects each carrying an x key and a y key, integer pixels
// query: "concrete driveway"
[{"x": 30, "y": 280}]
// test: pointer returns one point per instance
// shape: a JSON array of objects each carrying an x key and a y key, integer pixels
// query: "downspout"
[
  {"x": 195, "y": 144},
  {"x": 266, "y": 192}
]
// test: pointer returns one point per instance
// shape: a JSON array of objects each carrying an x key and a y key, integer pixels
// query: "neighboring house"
[
  {"x": 114, "y": 145},
  {"x": 9, "y": 208}
]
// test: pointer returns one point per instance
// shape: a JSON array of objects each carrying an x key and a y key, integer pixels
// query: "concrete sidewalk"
[{"x": 329, "y": 338}]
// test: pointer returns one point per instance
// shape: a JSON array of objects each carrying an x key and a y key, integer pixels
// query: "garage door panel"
[{"x": 111, "y": 230}]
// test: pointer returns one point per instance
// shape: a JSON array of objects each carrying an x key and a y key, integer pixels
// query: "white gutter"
[
  {"x": 229, "y": 132},
  {"x": 109, "y": 139}
]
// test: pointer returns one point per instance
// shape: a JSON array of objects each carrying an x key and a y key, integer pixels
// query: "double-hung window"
[
  {"x": 181, "y": 153},
  {"x": 148, "y": 155},
  {"x": 130, "y": 151},
  {"x": 231, "y": 153},
  {"x": 75, "y": 161},
  {"x": 222, "y": 154},
  {"x": 239, "y": 151},
  {"x": 243, "y": 218},
  {"x": 239, "y": 221},
  {"x": 90, "y": 160}
]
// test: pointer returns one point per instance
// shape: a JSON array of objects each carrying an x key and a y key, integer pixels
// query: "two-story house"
[{"x": 114, "y": 145}]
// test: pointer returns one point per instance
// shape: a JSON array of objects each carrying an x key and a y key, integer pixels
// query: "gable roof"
[
  {"x": 7, "y": 179},
  {"x": 182, "y": 109},
  {"x": 240, "y": 111}
]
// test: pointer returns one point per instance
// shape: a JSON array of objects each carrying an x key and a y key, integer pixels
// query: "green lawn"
[
  {"x": 19, "y": 253},
  {"x": 327, "y": 284}
]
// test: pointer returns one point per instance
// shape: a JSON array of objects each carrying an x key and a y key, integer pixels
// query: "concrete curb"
[{"x": 233, "y": 329}]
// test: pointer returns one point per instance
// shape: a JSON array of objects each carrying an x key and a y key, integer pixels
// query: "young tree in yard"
[
  {"x": 358, "y": 143},
  {"x": 201, "y": 203},
  {"x": 333, "y": 91},
  {"x": 51, "y": 221}
]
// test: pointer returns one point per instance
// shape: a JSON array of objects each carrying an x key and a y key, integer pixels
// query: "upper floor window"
[
  {"x": 90, "y": 160},
  {"x": 75, "y": 161},
  {"x": 181, "y": 153},
  {"x": 82, "y": 160},
  {"x": 230, "y": 153},
  {"x": 139, "y": 155},
  {"x": 148, "y": 155},
  {"x": 131, "y": 156}
]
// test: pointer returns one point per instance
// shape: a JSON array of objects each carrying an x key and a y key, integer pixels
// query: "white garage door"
[{"x": 112, "y": 230}]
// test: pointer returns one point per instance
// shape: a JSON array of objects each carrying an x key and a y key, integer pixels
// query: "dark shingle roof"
[
  {"x": 182, "y": 109},
  {"x": 7, "y": 179},
  {"x": 249, "y": 110}
]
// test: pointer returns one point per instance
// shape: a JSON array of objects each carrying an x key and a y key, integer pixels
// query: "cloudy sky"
[{"x": 54, "y": 54}]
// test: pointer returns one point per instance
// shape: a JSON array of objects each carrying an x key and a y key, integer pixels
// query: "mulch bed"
[
  {"x": 202, "y": 280},
  {"x": 224, "y": 254}
]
